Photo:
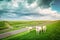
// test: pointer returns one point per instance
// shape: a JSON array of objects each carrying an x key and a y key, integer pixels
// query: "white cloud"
[
  {"x": 33, "y": 5},
  {"x": 15, "y": 3},
  {"x": 27, "y": 17},
  {"x": 48, "y": 12}
]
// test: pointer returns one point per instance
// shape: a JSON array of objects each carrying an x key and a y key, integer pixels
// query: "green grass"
[
  {"x": 18, "y": 25},
  {"x": 52, "y": 33},
  {"x": 2, "y": 25}
]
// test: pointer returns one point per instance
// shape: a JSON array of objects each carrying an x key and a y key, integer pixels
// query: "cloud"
[
  {"x": 18, "y": 4},
  {"x": 8, "y": 15},
  {"x": 33, "y": 5},
  {"x": 48, "y": 13},
  {"x": 30, "y": 1},
  {"x": 45, "y": 3},
  {"x": 28, "y": 10}
]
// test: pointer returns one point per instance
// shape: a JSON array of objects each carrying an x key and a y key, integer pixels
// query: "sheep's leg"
[
  {"x": 37, "y": 32},
  {"x": 44, "y": 30}
]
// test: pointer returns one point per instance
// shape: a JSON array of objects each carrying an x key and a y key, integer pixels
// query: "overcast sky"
[{"x": 29, "y": 9}]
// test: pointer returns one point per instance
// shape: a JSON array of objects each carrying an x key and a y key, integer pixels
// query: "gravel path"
[{"x": 12, "y": 33}]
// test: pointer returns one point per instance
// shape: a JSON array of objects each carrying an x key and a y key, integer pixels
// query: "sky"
[{"x": 29, "y": 9}]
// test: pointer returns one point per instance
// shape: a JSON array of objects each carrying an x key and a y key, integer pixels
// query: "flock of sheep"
[{"x": 38, "y": 28}]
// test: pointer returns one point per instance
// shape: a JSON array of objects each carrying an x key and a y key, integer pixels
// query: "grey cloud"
[
  {"x": 31, "y": 1},
  {"x": 45, "y": 3},
  {"x": 6, "y": 0},
  {"x": 41, "y": 3}
]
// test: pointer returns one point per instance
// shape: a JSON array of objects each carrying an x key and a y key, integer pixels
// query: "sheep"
[
  {"x": 44, "y": 28},
  {"x": 29, "y": 28},
  {"x": 41, "y": 28},
  {"x": 38, "y": 28}
]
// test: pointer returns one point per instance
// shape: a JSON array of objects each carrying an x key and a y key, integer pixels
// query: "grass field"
[
  {"x": 15, "y": 25},
  {"x": 52, "y": 33},
  {"x": 18, "y": 24},
  {"x": 2, "y": 25}
]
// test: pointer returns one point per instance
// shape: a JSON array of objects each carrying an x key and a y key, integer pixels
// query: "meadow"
[
  {"x": 18, "y": 24},
  {"x": 52, "y": 33},
  {"x": 6, "y": 26}
]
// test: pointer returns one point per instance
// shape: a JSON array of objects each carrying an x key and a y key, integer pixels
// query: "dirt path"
[{"x": 12, "y": 33}]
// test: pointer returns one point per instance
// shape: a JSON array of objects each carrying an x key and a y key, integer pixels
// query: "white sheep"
[
  {"x": 44, "y": 28},
  {"x": 38, "y": 28},
  {"x": 29, "y": 28}
]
